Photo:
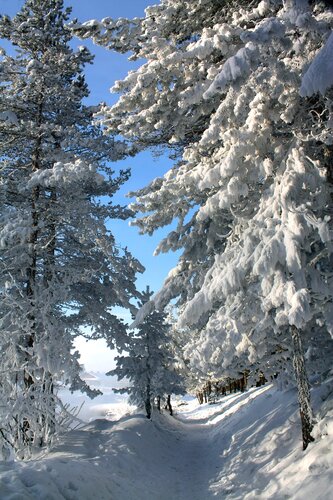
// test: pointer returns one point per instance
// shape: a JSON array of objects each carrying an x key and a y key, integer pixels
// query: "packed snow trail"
[{"x": 248, "y": 446}]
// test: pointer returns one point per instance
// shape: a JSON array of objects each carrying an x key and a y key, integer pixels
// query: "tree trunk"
[
  {"x": 199, "y": 395},
  {"x": 328, "y": 163},
  {"x": 49, "y": 417},
  {"x": 148, "y": 408},
  {"x": 303, "y": 388},
  {"x": 29, "y": 342},
  {"x": 168, "y": 405},
  {"x": 31, "y": 274},
  {"x": 148, "y": 401},
  {"x": 159, "y": 403}
]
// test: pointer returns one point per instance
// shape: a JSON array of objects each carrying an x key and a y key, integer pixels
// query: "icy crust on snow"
[
  {"x": 251, "y": 444},
  {"x": 319, "y": 76}
]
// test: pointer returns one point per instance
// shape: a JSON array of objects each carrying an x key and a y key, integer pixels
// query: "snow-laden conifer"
[
  {"x": 60, "y": 269},
  {"x": 252, "y": 190},
  {"x": 149, "y": 365}
]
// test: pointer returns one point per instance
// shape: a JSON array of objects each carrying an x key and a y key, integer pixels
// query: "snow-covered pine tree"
[
  {"x": 181, "y": 344},
  {"x": 161, "y": 105},
  {"x": 149, "y": 366},
  {"x": 250, "y": 192},
  {"x": 60, "y": 269}
]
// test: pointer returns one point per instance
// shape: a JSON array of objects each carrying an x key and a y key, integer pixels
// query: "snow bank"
[{"x": 248, "y": 446}]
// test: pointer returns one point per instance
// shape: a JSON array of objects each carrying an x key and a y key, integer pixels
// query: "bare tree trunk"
[
  {"x": 148, "y": 408},
  {"x": 31, "y": 274},
  {"x": 148, "y": 401},
  {"x": 200, "y": 397},
  {"x": 31, "y": 271},
  {"x": 328, "y": 162},
  {"x": 168, "y": 405},
  {"x": 48, "y": 277},
  {"x": 148, "y": 386},
  {"x": 48, "y": 415},
  {"x": 243, "y": 382},
  {"x": 303, "y": 388}
]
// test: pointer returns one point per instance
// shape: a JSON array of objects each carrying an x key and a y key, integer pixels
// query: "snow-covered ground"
[{"x": 248, "y": 446}]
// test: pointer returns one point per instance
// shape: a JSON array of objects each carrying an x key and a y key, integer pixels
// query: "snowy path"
[
  {"x": 206, "y": 437},
  {"x": 190, "y": 462},
  {"x": 165, "y": 459},
  {"x": 246, "y": 447},
  {"x": 192, "y": 474}
]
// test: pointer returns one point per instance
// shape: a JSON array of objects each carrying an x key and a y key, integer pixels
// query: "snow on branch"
[
  {"x": 235, "y": 67},
  {"x": 319, "y": 76},
  {"x": 142, "y": 313}
]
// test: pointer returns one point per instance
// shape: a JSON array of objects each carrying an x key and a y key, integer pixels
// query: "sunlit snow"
[{"x": 247, "y": 446}]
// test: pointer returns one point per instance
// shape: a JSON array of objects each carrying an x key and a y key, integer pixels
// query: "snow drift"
[{"x": 247, "y": 446}]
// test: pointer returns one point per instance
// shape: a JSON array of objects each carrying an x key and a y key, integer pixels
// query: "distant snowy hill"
[
  {"x": 248, "y": 446},
  {"x": 100, "y": 379},
  {"x": 90, "y": 378}
]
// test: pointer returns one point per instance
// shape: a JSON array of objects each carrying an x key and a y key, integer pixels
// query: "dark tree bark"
[
  {"x": 168, "y": 405},
  {"x": 243, "y": 383},
  {"x": 148, "y": 401},
  {"x": 199, "y": 395},
  {"x": 30, "y": 290},
  {"x": 303, "y": 388},
  {"x": 48, "y": 276},
  {"x": 31, "y": 272}
]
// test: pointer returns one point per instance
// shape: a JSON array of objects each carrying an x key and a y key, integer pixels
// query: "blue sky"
[{"x": 107, "y": 68}]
